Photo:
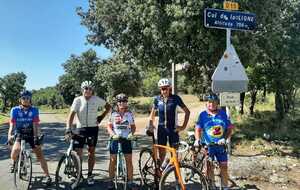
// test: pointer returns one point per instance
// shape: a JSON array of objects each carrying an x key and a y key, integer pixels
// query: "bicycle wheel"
[
  {"x": 192, "y": 179},
  {"x": 68, "y": 171},
  {"x": 23, "y": 172},
  {"x": 147, "y": 169},
  {"x": 121, "y": 173}
]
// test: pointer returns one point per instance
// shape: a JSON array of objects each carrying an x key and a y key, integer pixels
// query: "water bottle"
[{"x": 165, "y": 163}]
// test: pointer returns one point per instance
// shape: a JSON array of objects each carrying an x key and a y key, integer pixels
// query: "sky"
[{"x": 37, "y": 36}]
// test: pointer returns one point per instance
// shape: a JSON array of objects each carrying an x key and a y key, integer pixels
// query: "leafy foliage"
[
  {"x": 114, "y": 78},
  {"x": 10, "y": 87},
  {"x": 48, "y": 96},
  {"x": 78, "y": 69}
]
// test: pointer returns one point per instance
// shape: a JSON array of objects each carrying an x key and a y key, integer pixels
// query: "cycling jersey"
[
  {"x": 86, "y": 110},
  {"x": 214, "y": 127},
  {"x": 23, "y": 119},
  {"x": 167, "y": 110},
  {"x": 121, "y": 123}
]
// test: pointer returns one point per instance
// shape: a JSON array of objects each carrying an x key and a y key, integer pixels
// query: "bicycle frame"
[
  {"x": 119, "y": 160},
  {"x": 173, "y": 161},
  {"x": 22, "y": 151},
  {"x": 70, "y": 147}
]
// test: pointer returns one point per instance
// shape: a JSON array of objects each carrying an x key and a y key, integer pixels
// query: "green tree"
[
  {"x": 278, "y": 41},
  {"x": 113, "y": 78},
  {"x": 157, "y": 33},
  {"x": 47, "y": 96},
  {"x": 10, "y": 87},
  {"x": 163, "y": 32},
  {"x": 77, "y": 69}
]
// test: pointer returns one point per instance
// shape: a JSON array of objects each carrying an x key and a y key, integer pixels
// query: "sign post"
[{"x": 230, "y": 75}]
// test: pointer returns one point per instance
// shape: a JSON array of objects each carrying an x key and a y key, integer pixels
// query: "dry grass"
[{"x": 3, "y": 118}]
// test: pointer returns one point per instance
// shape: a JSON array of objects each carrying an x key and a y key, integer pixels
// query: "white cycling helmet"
[
  {"x": 164, "y": 82},
  {"x": 87, "y": 84}
]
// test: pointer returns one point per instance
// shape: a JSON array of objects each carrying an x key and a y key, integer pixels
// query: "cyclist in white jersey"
[
  {"x": 86, "y": 109},
  {"x": 121, "y": 124}
]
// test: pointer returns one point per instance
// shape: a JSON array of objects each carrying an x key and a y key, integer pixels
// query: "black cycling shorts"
[
  {"x": 90, "y": 137},
  {"x": 126, "y": 147},
  {"x": 165, "y": 134},
  {"x": 27, "y": 136}
]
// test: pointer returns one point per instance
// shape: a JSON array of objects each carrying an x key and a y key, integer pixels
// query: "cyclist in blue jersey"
[
  {"x": 214, "y": 127},
  {"x": 24, "y": 120},
  {"x": 166, "y": 105}
]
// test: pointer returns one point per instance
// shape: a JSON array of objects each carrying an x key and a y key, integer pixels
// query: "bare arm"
[
  {"x": 229, "y": 133},
  {"x": 198, "y": 133},
  {"x": 10, "y": 129},
  {"x": 36, "y": 129},
  {"x": 70, "y": 120},
  {"x": 107, "y": 109},
  {"x": 152, "y": 116},
  {"x": 186, "y": 117},
  {"x": 110, "y": 130}
]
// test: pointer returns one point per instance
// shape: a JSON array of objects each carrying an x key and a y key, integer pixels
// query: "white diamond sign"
[{"x": 230, "y": 75}]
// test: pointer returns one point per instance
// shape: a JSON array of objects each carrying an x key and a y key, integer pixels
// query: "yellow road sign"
[{"x": 228, "y": 5}]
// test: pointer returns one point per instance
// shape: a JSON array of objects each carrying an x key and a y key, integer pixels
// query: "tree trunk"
[
  {"x": 253, "y": 101},
  {"x": 264, "y": 93},
  {"x": 4, "y": 105},
  {"x": 242, "y": 99},
  {"x": 279, "y": 104}
]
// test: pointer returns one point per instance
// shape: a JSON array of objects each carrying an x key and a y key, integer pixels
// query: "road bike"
[
  {"x": 198, "y": 157},
  {"x": 121, "y": 178},
  {"x": 68, "y": 172},
  {"x": 174, "y": 175},
  {"x": 23, "y": 166}
]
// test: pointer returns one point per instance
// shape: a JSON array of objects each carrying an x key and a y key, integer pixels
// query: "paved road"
[{"x": 53, "y": 127}]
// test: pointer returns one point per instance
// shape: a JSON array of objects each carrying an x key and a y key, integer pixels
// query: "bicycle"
[
  {"x": 199, "y": 158},
  {"x": 194, "y": 155},
  {"x": 121, "y": 178},
  {"x": 163, "y": 179},
  {"x": 23, "y": 167},
  {"x": 69, "y": 168}
]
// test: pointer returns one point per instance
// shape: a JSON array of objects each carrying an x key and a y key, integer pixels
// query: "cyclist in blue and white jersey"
[
  {"x": 214, "y": 127},
  {"x": 24, "y": 120},
  {"x": 121, "y": 124},
  {"x": 86, "y": 109},
  {"x": 166, "y": 105}
]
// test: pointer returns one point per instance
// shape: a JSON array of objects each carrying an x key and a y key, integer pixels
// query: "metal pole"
[
  {"x": 228, "y": 36},
  {"x": 173, "y": 78}
]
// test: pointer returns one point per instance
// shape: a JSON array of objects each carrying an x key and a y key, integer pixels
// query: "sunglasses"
[
  {"x": 88, "y": 88},
  {"x": 26, "y": 98},
  {"x": 164, "y": 88},
  {"x": 125, "y": 101}
]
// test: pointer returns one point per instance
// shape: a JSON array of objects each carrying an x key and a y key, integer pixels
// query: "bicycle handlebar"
[
  {"x": 185, "y": 144},
  {"x": 134, "y": 138}
]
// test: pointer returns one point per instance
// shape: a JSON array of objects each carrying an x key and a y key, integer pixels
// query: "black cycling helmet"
[
  {"x": 122, "y": 97},
  {"x": 212, "y": 97},
  {"x": 25, "y": 93}
]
